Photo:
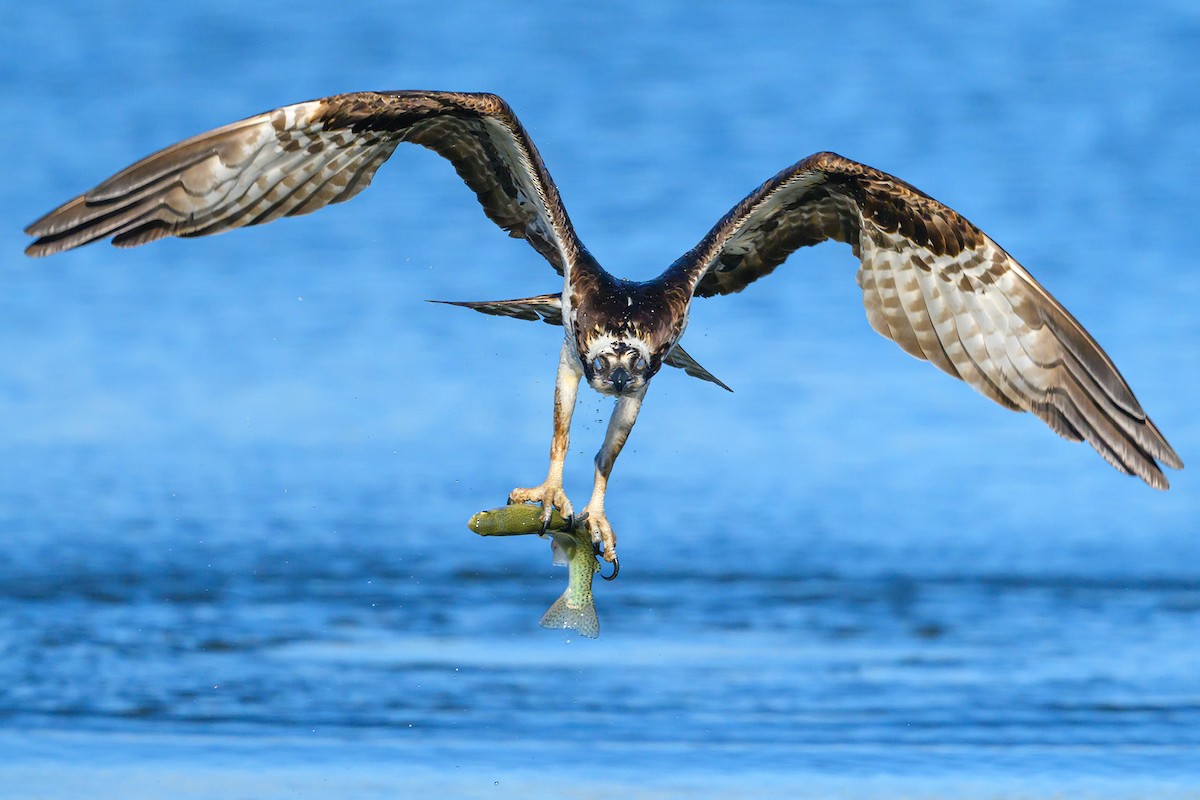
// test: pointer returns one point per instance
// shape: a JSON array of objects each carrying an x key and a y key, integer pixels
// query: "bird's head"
[{"x": 617, "y": 366}]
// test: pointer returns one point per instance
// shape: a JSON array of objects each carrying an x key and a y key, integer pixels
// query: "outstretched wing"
[
  {"x": 302, "y": 157},
  {"x": 945, "y": 292},
  {"x": 548, "y": 308}
]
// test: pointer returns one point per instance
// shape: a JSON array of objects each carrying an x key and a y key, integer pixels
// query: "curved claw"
[
  {"x": 571, "y": 520},
  {"x": 616, "y": 570},
  {"x": 615, "y": 562}
]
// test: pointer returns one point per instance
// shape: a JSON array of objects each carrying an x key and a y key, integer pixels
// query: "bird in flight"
[{"x": 931, "y": 281}]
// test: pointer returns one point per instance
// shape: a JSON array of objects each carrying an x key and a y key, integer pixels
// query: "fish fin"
[
  {"x": 678, "y": 357},
  {"x": 581, "y": 620},
  {"x": 546, "y": 307},
  {"x": 561, "y": 559}
]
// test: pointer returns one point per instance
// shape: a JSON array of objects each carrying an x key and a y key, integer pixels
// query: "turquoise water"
[{"x": 235, "y": 472}]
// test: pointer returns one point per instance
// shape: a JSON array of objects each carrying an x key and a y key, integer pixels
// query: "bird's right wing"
[{"x": 302, "y": 157}]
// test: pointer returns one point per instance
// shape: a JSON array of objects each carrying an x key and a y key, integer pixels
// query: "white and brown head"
[{"x": 617, "y": 365}]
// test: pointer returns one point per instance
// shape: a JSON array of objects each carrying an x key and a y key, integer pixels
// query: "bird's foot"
[
  {"x": 550, "y": 496},
  {"x": 602, "y": 533}
]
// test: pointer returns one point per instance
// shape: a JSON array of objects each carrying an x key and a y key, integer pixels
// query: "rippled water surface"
[{"x": 235, "y": 472}]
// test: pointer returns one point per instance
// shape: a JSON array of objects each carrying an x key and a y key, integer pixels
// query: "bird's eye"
[
  {"x": 640, "y": 364},
  {"x": 597, "y": 364}
]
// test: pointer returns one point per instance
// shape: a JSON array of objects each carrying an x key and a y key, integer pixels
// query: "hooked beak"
[{"x": 619, "y": 379}]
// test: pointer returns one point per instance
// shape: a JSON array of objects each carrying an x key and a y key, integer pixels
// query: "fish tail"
[{"x": 581, "y": 620}]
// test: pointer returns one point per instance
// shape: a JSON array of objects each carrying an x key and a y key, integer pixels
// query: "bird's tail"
[{"x": 546, "y": 307}]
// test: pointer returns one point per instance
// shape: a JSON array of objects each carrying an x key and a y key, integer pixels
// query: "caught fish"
[
  {"x": 514, "y": 520},
  {"x": 576, "y": 608}
]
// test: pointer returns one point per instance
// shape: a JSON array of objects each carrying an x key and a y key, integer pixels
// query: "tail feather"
[
  {"x": 548, "y": 308},
  {"x": 581, "y": 620},
  {"x": 682, "y": 359}
]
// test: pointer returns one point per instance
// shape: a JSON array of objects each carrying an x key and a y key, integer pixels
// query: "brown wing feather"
[
  {"x": 945, "y": 292},
  {"x": 302, "y": 157}
]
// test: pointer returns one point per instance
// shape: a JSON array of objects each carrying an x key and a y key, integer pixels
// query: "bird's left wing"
[
  {"x": 945, "y": 292},
  {"x": 302, "y": 157}
]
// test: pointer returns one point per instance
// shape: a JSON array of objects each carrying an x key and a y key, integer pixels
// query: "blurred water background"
[{"x": 235, "y": 472}]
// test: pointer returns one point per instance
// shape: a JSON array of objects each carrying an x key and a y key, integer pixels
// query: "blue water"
[{"x": 235, "y": 472}]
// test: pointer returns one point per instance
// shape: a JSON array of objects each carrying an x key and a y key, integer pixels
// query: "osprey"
[{"x": 931, "y": 281}]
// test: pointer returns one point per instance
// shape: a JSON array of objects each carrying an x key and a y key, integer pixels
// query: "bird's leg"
[
  {"x": 550, "y": 494},
  {"x": 619, "y": 426}
]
